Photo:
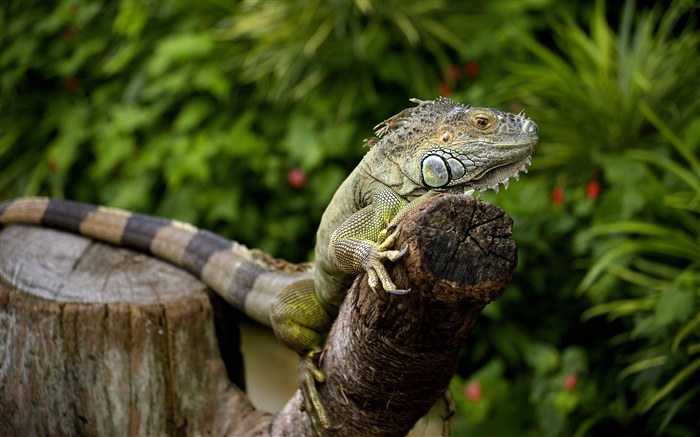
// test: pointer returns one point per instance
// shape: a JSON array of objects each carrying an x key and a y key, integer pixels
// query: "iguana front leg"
[
  {"x": 362, "y": 243},
  {"x": 364, "y": 240}
]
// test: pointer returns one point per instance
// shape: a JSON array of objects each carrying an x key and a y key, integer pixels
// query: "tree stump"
[{"x": 97, "y": 340}]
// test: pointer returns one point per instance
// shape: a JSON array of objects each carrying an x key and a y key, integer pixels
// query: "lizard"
[{"x": 437, "y": 146}]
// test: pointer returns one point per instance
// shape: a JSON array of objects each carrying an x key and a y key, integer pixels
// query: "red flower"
[
  {"x": 68, "y": 34},
  {"x": 296, "y": 178},
  {"x": 445, "y": 89},
  {"x": 471, "y": 69},
  {"x": 593, "y": 189},
  {"x": 473, "y": 391},
  {"x": 557, "y": 195},
  {"x": 571, "y": 381},
  {"x": 72, "y": 83},
  {"x": 52, "y": 165},
  {"x": 453, "y": 72}
]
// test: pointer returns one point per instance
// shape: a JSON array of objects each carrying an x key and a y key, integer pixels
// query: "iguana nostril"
[{"x": 529, "y": 127}]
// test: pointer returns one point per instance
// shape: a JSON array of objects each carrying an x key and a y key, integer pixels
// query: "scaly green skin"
[{"x": 436, "y": 147}]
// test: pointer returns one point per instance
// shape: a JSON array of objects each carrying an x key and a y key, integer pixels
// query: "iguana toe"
[
  {"x": 386, "y": 239},
  {"x": 309, "y": 376},
  {"x": 309, "y": 361},
  {"x": 394, "y": 255},
  {"x": 383, "y": 276},
  {"x": 374, "y": 282},
  {"x": 377, "y": 272}
]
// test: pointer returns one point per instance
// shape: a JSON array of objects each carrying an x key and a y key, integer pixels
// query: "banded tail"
[{"x": 247, "y": 279}]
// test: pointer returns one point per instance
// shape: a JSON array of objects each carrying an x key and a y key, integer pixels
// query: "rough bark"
[{"x": 96, "y": 340}]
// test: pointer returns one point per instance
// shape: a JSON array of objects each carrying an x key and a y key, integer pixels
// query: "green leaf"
[
  {"x": 683, "y": 374},
  {"x": 676, "y": 406},
  {"x": 189, "y": 160},
  {"x": 301, "y": 142},
  {"x": 565, "y": 402},
  {"x": 131, "y": 194},
  {"x": 241, "y": 141},
  {"x": 541, "y": 356},
  {"x": 128, "y": 118},
  {"x": 671, "y": 137},
  {"x": 84, "y": 56},
  {"x": 111, "y": 150},
  {"x": 632, "y": 227},
  {"x": 131, "y": 19},
  {"x": 674, "y": 306},
  {"x": 192, "y": 115},
  {"x": 688, "y": 329},
  {"x": 686, "y": 175},
  {"x": 211, "y": 78},
  {"x": 642, "y": 365},
  {"x": 324, "y": 182},
  {"x": 619, "y": 308},
  {"x": 119, "y": 58},
  {"x": 603, "y": 263},
  {"x": 226, "y": 203},
  {"x": 65, "y": 149},
  {"x": 179, "y": 48},
  {"x": 336, "y": 140},
  {"x": 634, "y": 277},
  {"x": 574, "y": 359}
]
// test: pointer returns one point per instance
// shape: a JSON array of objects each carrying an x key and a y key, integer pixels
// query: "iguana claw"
[
  {"x": 309, "y": 375},
  {"x": 450, "y": 410},
  {"x": 401, "y": 254}
]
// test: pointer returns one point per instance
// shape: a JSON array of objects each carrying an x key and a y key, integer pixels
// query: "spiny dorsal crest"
[{"x": 427, "y": 113}]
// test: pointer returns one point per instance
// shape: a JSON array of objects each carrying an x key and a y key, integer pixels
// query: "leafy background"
[{"x": 243, "y": 118}]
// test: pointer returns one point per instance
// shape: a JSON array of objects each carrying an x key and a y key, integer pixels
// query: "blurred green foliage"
[{"x": 243, "y": 118}]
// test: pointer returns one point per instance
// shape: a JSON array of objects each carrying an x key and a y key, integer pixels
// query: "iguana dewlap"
[{"x": 435, "y": 147}]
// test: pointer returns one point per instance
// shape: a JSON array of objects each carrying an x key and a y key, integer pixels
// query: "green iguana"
[{"x": 435, "y": 147}]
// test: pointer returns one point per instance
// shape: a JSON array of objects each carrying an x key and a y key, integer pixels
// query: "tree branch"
[{"x": 389, "y": 358}]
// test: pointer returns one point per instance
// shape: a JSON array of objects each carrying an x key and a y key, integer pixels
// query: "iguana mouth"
[{"x": 497, "y": 176}]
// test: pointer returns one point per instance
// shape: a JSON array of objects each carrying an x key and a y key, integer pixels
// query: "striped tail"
[{"x": 247, "y": 279}]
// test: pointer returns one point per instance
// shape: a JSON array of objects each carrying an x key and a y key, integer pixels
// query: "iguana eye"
[
  {"x": 446, "y": 136},
  {"x": 434, "y": 171},
  {"x": 482, "y": 122}
]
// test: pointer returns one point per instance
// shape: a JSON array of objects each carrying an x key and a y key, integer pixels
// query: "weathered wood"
[
  {"x": 96, "y": 340},
  {"x": 389, "y": 358}
]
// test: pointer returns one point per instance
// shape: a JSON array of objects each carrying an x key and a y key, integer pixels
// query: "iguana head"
[{"x": 450, "y": 147}]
